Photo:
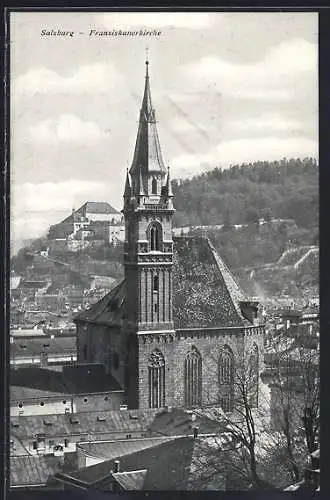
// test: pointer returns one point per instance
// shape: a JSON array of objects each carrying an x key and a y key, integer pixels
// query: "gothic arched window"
[
  {"x": 226, "y": 379},
  {"x": 193, "y": 378},
  {"x": 156, "y": 379},
  {"x": 154, "y": 186},
  {"x": 155, "y": 235},
  {"x": 253, "y": 375}
]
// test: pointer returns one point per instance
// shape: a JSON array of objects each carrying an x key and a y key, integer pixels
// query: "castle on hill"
[
  {"x": 174, "y": 331},
  {"x": 93, "y": 224}
]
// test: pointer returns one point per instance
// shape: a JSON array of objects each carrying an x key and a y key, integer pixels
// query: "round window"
[
  {"x": 64, "y": 402},
  {"x": 20, "y": 405},
  {"x": 85, "y": 400},
  {"x": 42, "y": 403}
]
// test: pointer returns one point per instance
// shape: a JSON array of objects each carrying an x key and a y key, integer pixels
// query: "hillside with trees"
[{"x": 286, "y": 189}]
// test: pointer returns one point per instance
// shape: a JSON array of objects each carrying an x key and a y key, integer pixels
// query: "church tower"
[{"x": 148, "y": 248}]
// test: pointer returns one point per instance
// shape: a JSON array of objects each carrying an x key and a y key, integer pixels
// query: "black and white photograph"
[{"x": 164, "y": 251}]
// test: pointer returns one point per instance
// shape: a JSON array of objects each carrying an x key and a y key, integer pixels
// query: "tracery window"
[
  {"x": 156, "y": 379},
  {"x": 253, "y": 366},
  {"x": 226, "y": 379},
  {"x": 193, "y": 378}
]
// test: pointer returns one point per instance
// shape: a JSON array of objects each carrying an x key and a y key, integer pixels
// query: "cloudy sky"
[{"x": 227, "y": 88}]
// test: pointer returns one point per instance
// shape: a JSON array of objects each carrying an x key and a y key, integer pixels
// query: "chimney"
[
  {"x": 195, "y": 431},
  {"x": 117, "y": 466}
]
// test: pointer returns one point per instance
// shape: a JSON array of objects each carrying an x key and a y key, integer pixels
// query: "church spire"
[{"x": 147, "y": 154}]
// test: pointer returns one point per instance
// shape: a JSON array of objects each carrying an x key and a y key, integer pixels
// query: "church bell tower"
[{"x": 148, "y": 247}]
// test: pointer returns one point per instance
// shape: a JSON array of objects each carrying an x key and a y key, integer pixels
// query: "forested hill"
[{"x": 244, "y": 193}]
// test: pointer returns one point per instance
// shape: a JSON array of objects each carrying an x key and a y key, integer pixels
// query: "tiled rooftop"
[
  {"x": 75, "y": 379},
  {"x": 172, "y": 465},
  {"x": 33, "y": 471},
  {"x": 30, "y": 346},
  {"x": 111, "y": 449},
  {"x": 167, "y": 464},
  {"x": 24, "y": 427}
]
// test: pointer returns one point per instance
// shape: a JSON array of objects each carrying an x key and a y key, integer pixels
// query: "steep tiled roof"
[
  {"x": 108, "y": 310},
  {"x": 18, "y": 393},
  {"x": 113, "y": 449},
  {"x": 179, "y": 422},
  {"x": 33, "y": 471},
  {"x": 205, "y": 292},
  {"x": 92, "y": 207},
  {"x": 76, "y": 379},
  {"x": 97, "y": 207}
]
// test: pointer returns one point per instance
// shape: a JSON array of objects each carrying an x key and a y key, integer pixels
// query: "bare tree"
[
  {"x": 258, "y": 455},
  {"x": 294, "y": 380}
]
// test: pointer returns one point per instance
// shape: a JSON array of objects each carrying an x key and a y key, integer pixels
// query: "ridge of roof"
[{"x": 94, "y": 312}]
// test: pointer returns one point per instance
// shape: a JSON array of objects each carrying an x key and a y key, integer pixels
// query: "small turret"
[
  {"x": 168, "y": 185},
  {"x": 127, "y": 192}
]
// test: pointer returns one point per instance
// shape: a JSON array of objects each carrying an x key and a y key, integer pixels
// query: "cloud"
[
  {"x": 191, "y": 20},
  {"x": 34, "y": 207},
  {"x": 279, "y": 76},
  {"x": 66, "y": 128},
  {"x": 244, "y": 151},
  {"x": 180, "y": 124},
  {"x": 98, "y": 77},
  {"x": 268, "y": 122}
]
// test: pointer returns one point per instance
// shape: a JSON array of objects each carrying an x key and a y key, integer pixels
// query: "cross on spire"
[{"x": 147, "y": 62}]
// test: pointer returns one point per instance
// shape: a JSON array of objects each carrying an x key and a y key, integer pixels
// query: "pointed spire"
[
  {"x": 168, "y": 189},
  {"x": 127, "y": 192},
  {"x": 147, "y": 154}
]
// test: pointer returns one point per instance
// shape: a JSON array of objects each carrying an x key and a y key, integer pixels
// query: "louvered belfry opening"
[
  {"x": 155, "y": 233},
  {"x": 193, "y": 378},
  {"x": 156, "y": 380}
]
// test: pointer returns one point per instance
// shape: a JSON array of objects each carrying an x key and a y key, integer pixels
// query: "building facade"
[{"x": 176, "y": 329}]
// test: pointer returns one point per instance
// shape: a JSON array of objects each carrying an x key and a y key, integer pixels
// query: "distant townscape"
[{"x": 173, "y": 345}]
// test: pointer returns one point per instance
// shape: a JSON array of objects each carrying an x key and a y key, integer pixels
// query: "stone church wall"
[{"x": 209, "y": 344}]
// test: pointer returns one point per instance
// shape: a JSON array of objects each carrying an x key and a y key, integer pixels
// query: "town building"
[
  {"x": 173, "y": 330},
  {"x": 63, "y": 389},
  {"x": 42, "y": 350},
  {"x": 92, "y": 225}
]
